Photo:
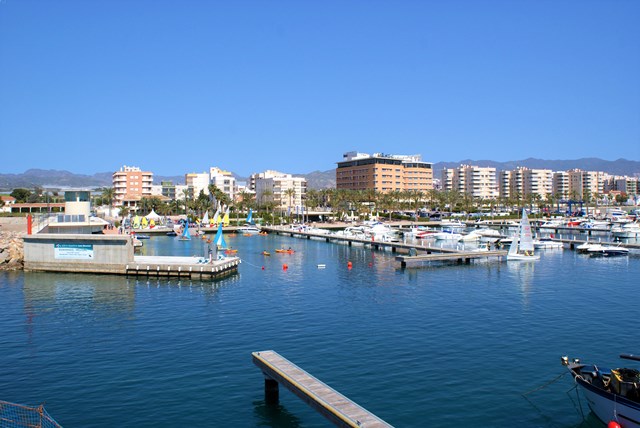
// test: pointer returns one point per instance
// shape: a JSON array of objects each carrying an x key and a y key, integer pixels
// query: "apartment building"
[
  {"x": 224, "y": 181},
  {"x": 561, "y": 186},
  {"x": 479, "y": 182},
  {"x": 197, "y": 182},
  {"x": 525, "y": 182},
  {"x": 284, "y": 190},
  {"x": 625, "y": 184},
  {"x": 131, "y": 184},
  {"x": 384, "y": 173}
]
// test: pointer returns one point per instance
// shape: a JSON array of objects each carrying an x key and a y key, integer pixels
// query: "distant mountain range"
[{"x": 315, "y": 179}]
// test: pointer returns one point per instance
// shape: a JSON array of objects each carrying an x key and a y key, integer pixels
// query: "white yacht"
[{"x": 627, "y": 230}]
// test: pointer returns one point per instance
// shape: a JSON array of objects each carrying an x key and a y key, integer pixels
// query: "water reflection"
[
  {"x": 274, "y": 415},
  {"x": 42, "y": 291},
  {"x": 523, "y": 272}
]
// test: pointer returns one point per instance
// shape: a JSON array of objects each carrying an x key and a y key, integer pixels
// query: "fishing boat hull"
[{"x": 605, "y": 402}]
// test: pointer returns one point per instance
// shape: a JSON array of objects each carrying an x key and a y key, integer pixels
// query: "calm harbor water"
[{"x": 440, "y": 346}]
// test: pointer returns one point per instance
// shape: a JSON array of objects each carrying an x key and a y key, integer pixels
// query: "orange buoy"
[
  {"x": 613, "y": 424},
  {"x": 285, "y": 267}
]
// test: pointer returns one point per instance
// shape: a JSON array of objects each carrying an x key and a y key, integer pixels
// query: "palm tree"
[
  {"x": 291, "y": 192},
  {"x": 124, "y": 212},
  {"x": 108, "y": 195},
  {"x": 185, "y": 193}
]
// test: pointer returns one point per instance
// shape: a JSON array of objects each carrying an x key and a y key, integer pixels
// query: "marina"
[{"x": 177, "y": 348}]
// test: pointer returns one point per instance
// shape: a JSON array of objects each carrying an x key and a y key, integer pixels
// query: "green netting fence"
[{"x": 20, "y": 416}]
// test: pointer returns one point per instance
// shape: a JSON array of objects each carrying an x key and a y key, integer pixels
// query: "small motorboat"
[
  {"x": 172, "y": 233},
  {"x": 140, "y": 236},
  {"x": 599, "y": 250},
  {"x": 230, "y": 251},
  {"x": 613, "y": 395},
  {"x": 266, "y": 253},
  {"x": 547, "y": 243}
]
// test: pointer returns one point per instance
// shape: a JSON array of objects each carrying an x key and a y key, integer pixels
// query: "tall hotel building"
[
  {"x": 479, "y": 182},
  {"x": 131, "y": 184},
  {"x": 384, "y": 173}
]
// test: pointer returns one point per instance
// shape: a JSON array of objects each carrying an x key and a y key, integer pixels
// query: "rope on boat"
[
  {"x": 545, "y": 385},
  {"x": 579, "y": 406}
]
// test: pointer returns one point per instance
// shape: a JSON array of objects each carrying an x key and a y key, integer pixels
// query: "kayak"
[{"x": 280, "y": 250}]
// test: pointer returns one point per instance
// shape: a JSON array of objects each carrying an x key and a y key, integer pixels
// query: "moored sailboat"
[
  {"x": 186, "y": 236},
  {"x": 522, "y": 248}
]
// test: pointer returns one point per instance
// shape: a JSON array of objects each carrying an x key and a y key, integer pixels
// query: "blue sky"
[{"x": 179, "y": 86}]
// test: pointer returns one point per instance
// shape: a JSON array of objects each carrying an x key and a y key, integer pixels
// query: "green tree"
[
  {"x": 21, "y": 195},
  {"x": 291, "y": 192},
  {"x": 124, "y": 211},
  {"x": 108, "y": 195}
]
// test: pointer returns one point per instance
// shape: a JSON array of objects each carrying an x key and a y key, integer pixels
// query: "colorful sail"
[
  {"x": 216, "y": 216},
  {"x": 225, "y": 219},
  {"x": 185, "y": 233},
  {"x": 219, "y": 238},
  {"x": 250, "y": 217}
]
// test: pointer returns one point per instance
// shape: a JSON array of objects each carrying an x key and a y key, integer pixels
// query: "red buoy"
[
  {"x": 285, "y": 267},
  {"x": 262, "y": 267},
  {"x": 349, "y": 265},
  {"x": 613, "y": 424}
]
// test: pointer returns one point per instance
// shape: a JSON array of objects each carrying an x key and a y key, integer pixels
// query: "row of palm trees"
[{"x": 342, "y": 202}]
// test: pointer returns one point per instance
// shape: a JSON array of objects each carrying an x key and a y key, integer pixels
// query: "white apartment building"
[
  {"x": 479, "y": 182},
  {"x": 504, "y": 184},
  {"x": 561, "y": 186},
  {"x": 525, "y": 182},
  {"x": 131, "y": 184},
  {"x": 578, "y": 184},
  {"x": 284, "y": 190},
  {"x": 195, "y": 183},
  {"x": 224, "y": 181}
]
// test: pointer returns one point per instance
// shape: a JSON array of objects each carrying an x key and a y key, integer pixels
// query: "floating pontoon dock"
[
  {"x": 326, "y": 400},
  {"x": 190, "y": 267},
  {"x": 461, "y": 257}
]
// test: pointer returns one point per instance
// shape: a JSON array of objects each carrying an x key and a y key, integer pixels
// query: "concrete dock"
[
  {"x": 334, "y": 406},
  {"x": 113, "y": 254}
]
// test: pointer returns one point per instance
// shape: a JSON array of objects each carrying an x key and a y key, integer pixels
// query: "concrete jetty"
[{"x": 113, "y": 254}]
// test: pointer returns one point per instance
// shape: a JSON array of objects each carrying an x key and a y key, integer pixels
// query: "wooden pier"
[{"x": 334, "y": 406}]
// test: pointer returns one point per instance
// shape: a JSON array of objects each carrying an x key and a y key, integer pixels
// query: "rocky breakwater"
[{"x": 11, "y": 250}]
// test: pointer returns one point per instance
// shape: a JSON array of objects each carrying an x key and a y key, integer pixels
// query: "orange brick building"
[{"x": 384, "y": 173}]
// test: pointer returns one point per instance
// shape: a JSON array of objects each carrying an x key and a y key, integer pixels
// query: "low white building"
[{"x": 8, "y": 202}]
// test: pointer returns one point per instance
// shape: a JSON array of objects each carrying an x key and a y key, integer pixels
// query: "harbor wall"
[{"x": 77, "y": 253}]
